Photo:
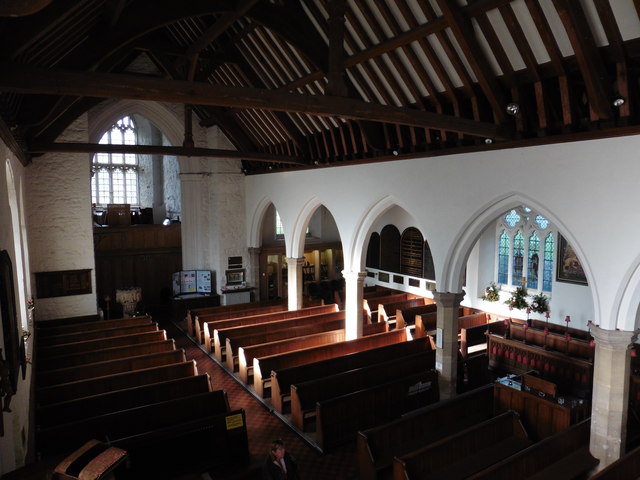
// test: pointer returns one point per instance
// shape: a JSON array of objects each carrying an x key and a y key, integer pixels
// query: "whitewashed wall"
[
  {"x": 584, "y": 189},
  {"x": 60, "y": 223}
]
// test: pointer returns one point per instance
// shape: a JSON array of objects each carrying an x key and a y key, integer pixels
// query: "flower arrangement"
[
  {"x": 491, "y": 293},
  {"x": 539, "y": 303},
  {"x": 518, "y": 299}
]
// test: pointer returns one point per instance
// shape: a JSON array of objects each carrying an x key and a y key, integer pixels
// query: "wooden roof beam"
[{"x": 588, "y": 57}]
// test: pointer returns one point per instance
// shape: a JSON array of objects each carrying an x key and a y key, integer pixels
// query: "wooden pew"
[
  {"x": 214, "y": 343},
  {"x": 407, "y": 316},
  {"x": 94, "y": 334},
  {"x": 230, "y": 309},
  {"x": 338, "y": 419},
  {"x": 262, "y": 366},
  {"x": 104, "y": 355},
  {"x": 81, "y": 372},
  {"x": 207, "y": 443},
  {"x": 56, "y": 322},
  {"x": 282, "y": 378},
  {"x": 387, "y": 310},
  {"x": 274, "y": 331},
  {"x": 53, "y": 351},
  {"x": 201, "y": 318},
  {"x": 464, "y": 453},
  {"x": 126, "y": 423},
  {"x": 113, "y": 401},
  {"x": 425, "y": 323},
  {"x": 626, "y": 467},
  {"x": 247, "y": 354},
  {"x": 476, "y": 335},
  {"x": 575, "y": 347},
  {"x": 377, "y": 446},
  {"x": 541, "y": 414},
  {"x": 42, "y": 330},
  {"x": 564, "y": 455},
  {"x": 304, "y": 395},
  {"x": 370, "y": 304},
  {"x": 561, "y": 329},
  {"x": 117, "y": 381},
  {"x": 572, "y": 375}
]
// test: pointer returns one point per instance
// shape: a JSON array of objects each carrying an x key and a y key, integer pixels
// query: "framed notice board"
[{"x": 63, "y": 283}]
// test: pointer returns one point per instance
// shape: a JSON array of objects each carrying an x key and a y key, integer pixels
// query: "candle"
[
  {"x": 528, "y": 311},
  {"x": 567, "y": 319},
  {"x": 547, "y": 314}
]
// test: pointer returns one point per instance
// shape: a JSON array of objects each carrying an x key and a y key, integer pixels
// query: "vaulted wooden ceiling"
[{"x": 312, "y": 83}]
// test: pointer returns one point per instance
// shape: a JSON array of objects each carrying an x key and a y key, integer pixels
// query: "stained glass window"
[
  {"x": 547, "y": 270},
  {"x": 512, "y": 218},
  {"x": 503, "y": 258},
  {"x": 534, "y": 261},
  {"x": 518, "y": 257}
]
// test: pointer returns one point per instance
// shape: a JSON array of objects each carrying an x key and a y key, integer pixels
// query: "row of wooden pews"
[
  {"x": 123, "y": 382},
  {"x": 300, "y": 363},
  {"x": 472, "y": 437}
]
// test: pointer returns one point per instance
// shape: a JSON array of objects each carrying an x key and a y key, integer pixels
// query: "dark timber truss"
[{"x": 310, "y": 83}]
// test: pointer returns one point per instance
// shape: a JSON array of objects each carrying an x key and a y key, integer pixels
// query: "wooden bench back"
[
  {"x": 52, "y": 351},
  {"x": 113, "y": 401},
  {"x": 626, "y": 466},
  {"x": 126, "y": 423},
  {"x": 215, "y": 332},
  {"x": 104, "y": 355},
  {"x": 200, "y": 319},
  {"x": 236, "y": 307},
  {"x": 246, "y": 355},
  {"x": 426, "y": 323},
  {"x": 575, "y": 347},
  {"x": 262, "y": 366},
  {"x": 282, "y": 378},
  {"x": 81, "y": 372},
  {"x": 561, "y": 329},
  {"x": 407, "y": 316},
  {"x": 117, "y": 381},
  {"x": 370, "y": 304},
  {"x": 504, "y": 431},
  {"x": 304, "y": 395},
  {"x": 550, "y": 453},
  {"x": 44, "y": 330},
  {"x": 338, "y": 419},
  {"x": 94, "y": 334},
  {"x": 377, "y": 446},
  {"x": 387, "y": 310},
  {"x": 233, "y": 343}
]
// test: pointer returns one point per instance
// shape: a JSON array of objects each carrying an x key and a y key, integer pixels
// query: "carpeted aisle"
[{"x": 262, "y": 426}]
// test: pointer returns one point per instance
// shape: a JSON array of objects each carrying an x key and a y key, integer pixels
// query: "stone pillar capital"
[
  {"x": 294, "y": 262},
  {"x": 613, "y": 339},
  {"x": 357, "y": 276},
  {"x": 448, "y": 299}
]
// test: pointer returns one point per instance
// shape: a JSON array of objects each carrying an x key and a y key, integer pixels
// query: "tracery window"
[
  {"x": 523, "y": 238},
  {"x": 115, "y": 175}
]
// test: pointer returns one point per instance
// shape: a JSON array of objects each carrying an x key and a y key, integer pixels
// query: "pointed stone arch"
[
  {"x": 451, "y": 277},
  {"x": 295, "y": 249},
  {"x": 257, "y": 221},
  {"x": 627, "y": 314}
]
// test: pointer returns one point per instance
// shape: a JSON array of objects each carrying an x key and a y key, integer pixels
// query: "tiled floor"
[{"x": 263, "y": 426}]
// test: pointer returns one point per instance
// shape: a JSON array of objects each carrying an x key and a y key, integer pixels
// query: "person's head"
[{"x": 277, "y": 449}]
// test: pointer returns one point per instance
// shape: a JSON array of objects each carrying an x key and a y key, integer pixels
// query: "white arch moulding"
[{"x": 451, "y": 277}]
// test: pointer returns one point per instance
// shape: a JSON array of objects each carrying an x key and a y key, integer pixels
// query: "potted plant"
[
  {"x": 539, "y": 303},
  {"x": 491, "y": 293},
  {"x": 518, "y": 299}
]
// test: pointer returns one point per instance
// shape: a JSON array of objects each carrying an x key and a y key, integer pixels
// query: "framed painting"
[{"x": 568, "y": 266}]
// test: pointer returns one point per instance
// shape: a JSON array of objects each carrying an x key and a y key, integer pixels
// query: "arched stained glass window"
[
  {"x": 547, "y": 269},
  {"x": 521, "y": 251},
  {"x": 534, "y": 261},
  {"x": 518, "y": 257},
  {"x": 503, "y": 258}
]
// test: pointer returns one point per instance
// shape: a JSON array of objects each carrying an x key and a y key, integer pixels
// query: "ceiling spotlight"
[
  {"x": 513, "y": 108},
  {"x": 488, "y": 141},
  {"x": 618, "y": 102}
]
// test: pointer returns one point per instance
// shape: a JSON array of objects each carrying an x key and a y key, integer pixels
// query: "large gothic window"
[
  {"x": 115, "y": 175},
  {"x": 525, "y": 250}
]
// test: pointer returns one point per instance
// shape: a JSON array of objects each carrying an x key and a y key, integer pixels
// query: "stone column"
[
  {"x": 612, "y": 365},
  {"x": 295, "y": 282},
  {"x": 447, "y": 341},
  {"x": 353, "y": 303},
  {"x": 196, "y": 232}
]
